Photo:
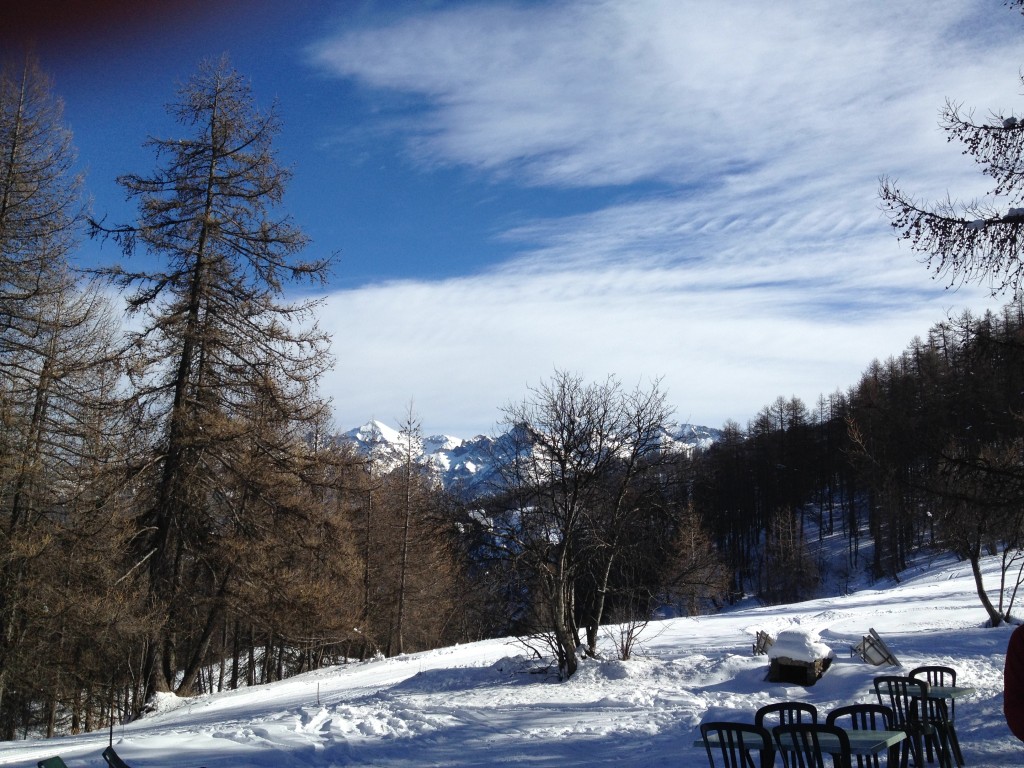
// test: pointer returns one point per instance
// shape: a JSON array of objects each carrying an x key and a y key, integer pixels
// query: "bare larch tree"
[{"x": 224, "y": 366}]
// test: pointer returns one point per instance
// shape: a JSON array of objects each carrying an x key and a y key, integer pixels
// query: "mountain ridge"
[{"x": 469, "y": 463}]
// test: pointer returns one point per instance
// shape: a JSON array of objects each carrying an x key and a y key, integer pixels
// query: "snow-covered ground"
[{"x": 479, "y": 704}]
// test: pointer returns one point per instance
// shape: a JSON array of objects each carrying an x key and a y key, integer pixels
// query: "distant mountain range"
[{"x": 469, "y": 464}]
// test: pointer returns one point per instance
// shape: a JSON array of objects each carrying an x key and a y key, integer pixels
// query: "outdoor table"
[
  {"x": 942, "y": 693},
  {"x": 866, "y": 742},
  {"x": 949, "y": 691},
  {"x": 950, "y": 743}
]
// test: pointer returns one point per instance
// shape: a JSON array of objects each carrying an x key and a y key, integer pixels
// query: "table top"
[
  {"x": 867, "y": 742},
  {"x": 949, "y": 691},
  {"x": 870, "y": 742}
]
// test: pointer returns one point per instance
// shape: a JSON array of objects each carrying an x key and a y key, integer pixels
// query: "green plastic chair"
[
  {"x": 801, "y": 747},
  {"x": 737, "y": 744},
  {"x": 113, "y": 759}
]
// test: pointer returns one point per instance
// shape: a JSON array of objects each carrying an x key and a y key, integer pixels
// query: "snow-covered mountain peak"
[
  {"x": 436, "y": 443},
  {"x": 374, "y": 432},
  {"x": 469, "y": 464}
]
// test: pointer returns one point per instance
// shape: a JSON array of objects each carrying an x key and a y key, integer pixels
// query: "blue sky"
[{"x": 684, "y": 190}]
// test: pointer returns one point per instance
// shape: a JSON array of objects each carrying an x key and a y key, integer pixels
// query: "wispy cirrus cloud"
[
  {"x": 597, "y": 93},
  {"x": 731, "y": 240},
  {"x": 463, "y": 348}
]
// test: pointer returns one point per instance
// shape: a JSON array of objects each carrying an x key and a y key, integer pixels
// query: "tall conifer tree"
[{"x": 224, "y": 365}]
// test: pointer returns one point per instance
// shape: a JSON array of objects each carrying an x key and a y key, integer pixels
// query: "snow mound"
[{"x": 799, "y": 645}]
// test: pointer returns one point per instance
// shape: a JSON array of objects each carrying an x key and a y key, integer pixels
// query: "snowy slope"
[{"x": 480, "y": 704}]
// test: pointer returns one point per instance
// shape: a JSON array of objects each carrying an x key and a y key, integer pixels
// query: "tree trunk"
[
  {"x": 562, "y": 625},
  {"x": 199, "y": 655},
  {"x": 594, "y": 623},
  {"x": 236, "y": 651},
  {"x": 154, "y": 668},
  {"x": 995, "y": 618},
  {"x": 404, "y": 565}
]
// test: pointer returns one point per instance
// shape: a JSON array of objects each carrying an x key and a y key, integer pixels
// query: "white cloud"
[
  {"x": 759, "y": 265},
  {"x": 727, "y": 341},
  {"x": 613, "y": 92}
]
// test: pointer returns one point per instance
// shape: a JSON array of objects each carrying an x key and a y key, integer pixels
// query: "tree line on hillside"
[
  {"x": 178, "y": 517},
  {"x": 924, "y": 451}
]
